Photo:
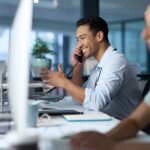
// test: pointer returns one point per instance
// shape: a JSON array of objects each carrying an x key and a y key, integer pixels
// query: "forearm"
[
  {"x": 77, "y": 75},
  {"x": 132, "y": 146},
  {"x": 130, "y": 126},
  {"x": 74, "y": 90},
  {"x": 126, "y": 129}
]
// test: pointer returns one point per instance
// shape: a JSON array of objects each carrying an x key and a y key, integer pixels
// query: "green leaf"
[{"x": 41, "y": 48}]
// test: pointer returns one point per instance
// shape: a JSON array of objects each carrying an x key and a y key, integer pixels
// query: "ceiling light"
[
  {"x": 36, "y": 1},
  {"x": 51, "y": 4}
]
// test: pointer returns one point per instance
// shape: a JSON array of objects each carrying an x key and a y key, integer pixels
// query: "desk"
[
  {"x": 52, "y": 133},
  {"x": 60, "y": 127}
]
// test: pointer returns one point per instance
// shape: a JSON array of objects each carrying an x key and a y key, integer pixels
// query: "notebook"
[{"x": 88, "y": 117}]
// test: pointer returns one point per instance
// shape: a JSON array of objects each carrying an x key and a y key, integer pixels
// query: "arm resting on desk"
[
  {"x": 130, "y": 126},
  {"x": 127, "y": 128},
  {"x": 96, "y": 141},
  {"x": 133, "y": 146}
]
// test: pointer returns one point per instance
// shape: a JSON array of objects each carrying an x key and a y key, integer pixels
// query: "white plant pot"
[{"x": 38, "y": 64}]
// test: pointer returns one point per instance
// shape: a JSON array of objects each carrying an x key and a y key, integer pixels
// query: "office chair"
[
  {"x": 146, "y": 88},
  {"x": 145, "y": 91}
]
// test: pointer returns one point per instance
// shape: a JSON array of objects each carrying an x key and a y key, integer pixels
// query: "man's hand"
[
  {"x": 77, "y": 51},
  {"x": 91, "y": 140},
  {"x": 55, "y": 79}
]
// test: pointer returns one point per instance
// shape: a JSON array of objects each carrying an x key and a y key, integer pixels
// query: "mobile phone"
[{"x": 79, "y": 58}]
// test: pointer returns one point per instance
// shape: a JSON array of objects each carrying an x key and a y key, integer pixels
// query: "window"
[
  {"x": 55, "y": 44},
  {"x": 4, "y": 42},
  {"x": 135, "y": 47},
  {"x": 55, "y": 40},
  {"x": 126, "y": 37},
  {"x": 115, "y": 36}
]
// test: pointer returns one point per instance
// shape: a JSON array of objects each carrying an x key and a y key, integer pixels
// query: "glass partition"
[
  {"x": 4, "y": 42},
  {"x": 115, "y": 36},
  {"x": 135, "y": 47}
]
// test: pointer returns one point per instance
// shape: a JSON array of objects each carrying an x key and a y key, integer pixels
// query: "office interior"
[{"x": 54, "y": 21}]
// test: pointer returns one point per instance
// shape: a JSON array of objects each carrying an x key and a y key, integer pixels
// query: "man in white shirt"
[
  {"x": 112, "y": 86},
  {"x": 128, "y": 128}
]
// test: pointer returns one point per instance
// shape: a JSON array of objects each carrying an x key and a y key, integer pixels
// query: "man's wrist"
[
  {"x": 117, "y": 146},
  {"x": 63, "y": 83}
]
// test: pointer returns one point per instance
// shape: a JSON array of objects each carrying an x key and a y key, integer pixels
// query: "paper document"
[{"x": 88, "y": 117}]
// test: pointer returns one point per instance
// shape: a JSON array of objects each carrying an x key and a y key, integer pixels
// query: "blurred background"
[{"x": 54, "y": 21}]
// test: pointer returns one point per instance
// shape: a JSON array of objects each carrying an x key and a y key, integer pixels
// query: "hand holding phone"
[{"x": 79, "y": 57}]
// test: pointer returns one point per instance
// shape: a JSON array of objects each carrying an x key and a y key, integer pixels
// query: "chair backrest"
[
  {"x": 145, "y": 91},
  {"x": 146, "y": 88}
]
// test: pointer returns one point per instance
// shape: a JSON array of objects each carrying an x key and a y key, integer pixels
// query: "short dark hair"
[{"x": 96, "y": 24}]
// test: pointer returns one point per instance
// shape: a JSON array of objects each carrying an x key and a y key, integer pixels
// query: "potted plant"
[{"x": 39, "y": 58}]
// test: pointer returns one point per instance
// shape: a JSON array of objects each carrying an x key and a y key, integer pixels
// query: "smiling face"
[
  {"x": 146, "y": 30},
  {"x": 87, "y": 41}
]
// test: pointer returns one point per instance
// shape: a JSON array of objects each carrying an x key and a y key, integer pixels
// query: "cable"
[{"x": 68, "y": 75}]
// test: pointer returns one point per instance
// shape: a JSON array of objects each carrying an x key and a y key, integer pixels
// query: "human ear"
[{"x": 100, "y": 36}]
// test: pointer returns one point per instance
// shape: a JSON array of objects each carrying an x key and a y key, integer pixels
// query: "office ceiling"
[{"x": 68, "y": 11}]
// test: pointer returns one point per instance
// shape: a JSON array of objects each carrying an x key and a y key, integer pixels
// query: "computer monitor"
[{"x": 19, "y": 63}]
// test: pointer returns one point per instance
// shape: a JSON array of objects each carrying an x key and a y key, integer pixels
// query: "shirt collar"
[{"x": 105, "y": 56}]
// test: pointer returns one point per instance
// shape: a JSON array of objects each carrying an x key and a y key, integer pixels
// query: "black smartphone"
[{"x": 79, "y": 58}]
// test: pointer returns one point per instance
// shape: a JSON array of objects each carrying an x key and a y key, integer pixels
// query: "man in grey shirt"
[{"x": 112, "y": 86}]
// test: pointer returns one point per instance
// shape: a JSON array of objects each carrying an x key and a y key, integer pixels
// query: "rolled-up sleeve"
[
  {"x": 95, "y": 100},
  {"x": 109, "y": 83}
]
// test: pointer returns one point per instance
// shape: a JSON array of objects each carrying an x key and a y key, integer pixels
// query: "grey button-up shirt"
[{"x": 112, "y": 86}]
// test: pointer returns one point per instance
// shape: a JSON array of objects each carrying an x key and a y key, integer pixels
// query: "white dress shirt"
[
  {"x": 112, "y": 86},
  {"x": 147, "y": 99}
]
